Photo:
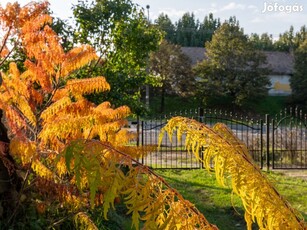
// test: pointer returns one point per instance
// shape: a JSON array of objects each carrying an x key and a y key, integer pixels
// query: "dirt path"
[{"x": 302, "y": 174}]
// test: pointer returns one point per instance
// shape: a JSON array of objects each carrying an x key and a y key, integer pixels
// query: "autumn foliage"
[
  {"x": 72, "y": 153},
  {"x": 228, "y": 157}
]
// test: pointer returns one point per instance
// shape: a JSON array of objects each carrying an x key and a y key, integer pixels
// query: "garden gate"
[
  {"x": 277, "y": 142},
  {"x": 289, "y": 140}
]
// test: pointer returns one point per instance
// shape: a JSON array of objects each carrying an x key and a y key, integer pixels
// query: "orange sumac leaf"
[{"x": 87, "y": 86}]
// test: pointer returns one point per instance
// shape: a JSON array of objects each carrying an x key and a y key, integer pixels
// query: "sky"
[{"x": 255, "y": 16}]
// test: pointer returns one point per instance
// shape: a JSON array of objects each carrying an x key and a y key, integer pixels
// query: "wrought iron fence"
[
  {"x": 277, "y": 142},
  {"x": 289, "y": 140}
]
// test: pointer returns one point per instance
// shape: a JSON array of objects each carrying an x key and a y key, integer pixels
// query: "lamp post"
[
  {"x": 147, "y": 69},
  {"x": 148, "y": 7}
]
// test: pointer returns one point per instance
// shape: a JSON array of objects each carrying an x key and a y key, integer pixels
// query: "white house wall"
[{"x": 280, "y": 85}]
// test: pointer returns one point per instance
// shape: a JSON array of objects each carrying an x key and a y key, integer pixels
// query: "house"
[
  {"x": 279, "y": 63},
  {"x": 281, "y": 66}
]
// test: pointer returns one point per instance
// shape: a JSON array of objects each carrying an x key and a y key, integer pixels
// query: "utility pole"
[{"x": 147, "y": 69}]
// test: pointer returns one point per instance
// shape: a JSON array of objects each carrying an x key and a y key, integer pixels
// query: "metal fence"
[
  {"x": 278, "y": 142},
  {"x": 289, "y": 140}
]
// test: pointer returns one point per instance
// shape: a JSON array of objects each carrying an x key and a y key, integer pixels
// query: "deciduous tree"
[
  {"x": 121, "y": 34},
  {"x": 173, "y": 69},
  {"x": 298, "y": 81},
  {"x": 232, "y": 67}
]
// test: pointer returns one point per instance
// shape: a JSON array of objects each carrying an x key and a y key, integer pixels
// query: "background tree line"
[
  {"x": 188, "y": 31},
  {"x": 233, "y": 70},
  {"x": 191, "y": 32},
  {"x": 134, "y": 53}
]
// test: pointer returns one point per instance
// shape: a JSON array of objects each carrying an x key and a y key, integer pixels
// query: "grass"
[
  {"x": 293, "y": 189},
  {"x": 270, "y": 105},
  {"x": 216, "y": 202},
  {"x": 199, "y": 187},
  {"x": 173, "y": 103}
]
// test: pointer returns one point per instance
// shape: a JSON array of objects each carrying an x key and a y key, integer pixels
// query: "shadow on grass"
[{"x": 214, "y": 201}]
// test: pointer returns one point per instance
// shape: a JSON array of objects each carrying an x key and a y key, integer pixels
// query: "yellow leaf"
[
  {"x": 40, "y": 169},
  {"x": 23, "y": 149},
  {"x": 55, "y": 107},
  {"x": 87, "y": 86}
]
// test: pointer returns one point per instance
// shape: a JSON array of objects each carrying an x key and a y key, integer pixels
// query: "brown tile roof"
[
  {"x": 196, "y": 54},
  {"x": 278, "y": 62}
]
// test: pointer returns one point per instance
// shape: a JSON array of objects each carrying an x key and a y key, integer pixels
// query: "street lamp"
[
  {"x": 148, "y": 7},
  {"x": 147, "y": 86}
]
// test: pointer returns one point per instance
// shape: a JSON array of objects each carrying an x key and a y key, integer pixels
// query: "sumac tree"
[
  {"x": 233, "y": 166},
  {"x": 70, "y": 153}
]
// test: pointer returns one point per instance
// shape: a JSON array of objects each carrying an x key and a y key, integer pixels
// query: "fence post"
[
  {"x": 201, "y": 119},
  {"x": 267, "y": 122},
  {"x": 137, "y": 130},
  {"x": 261, "y": 143},
  {"x": 273, "y": 143},
  {"x": 201, "y": 114},
  {"x": 142, "y": 139},
  {"x": 138, "y": 134}
]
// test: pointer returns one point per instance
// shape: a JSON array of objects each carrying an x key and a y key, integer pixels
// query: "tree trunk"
[
  {"x": 8, "y": 176},
  {"x": 4, "y": 159}
]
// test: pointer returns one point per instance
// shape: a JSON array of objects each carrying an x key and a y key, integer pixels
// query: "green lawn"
[
  {"x": 173, "y": 104},
  {"x": 270, "y": 105},
  {"x": 199, "y": 187},
  {"x": 216, "y": 202}
]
